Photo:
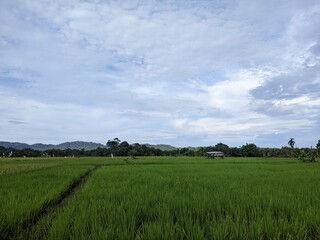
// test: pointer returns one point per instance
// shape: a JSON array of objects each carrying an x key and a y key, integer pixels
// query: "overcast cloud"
[{"x": 186, "y": 73}]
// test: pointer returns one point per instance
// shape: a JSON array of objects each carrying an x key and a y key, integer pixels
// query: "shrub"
[{"x": 306, "y": 156}]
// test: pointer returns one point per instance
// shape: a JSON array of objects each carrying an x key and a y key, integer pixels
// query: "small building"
[{"x": 215, "y": 154}]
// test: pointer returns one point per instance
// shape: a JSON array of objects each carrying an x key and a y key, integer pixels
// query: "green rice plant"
[
  {"x": 194, "y": 198},
  {"x": 23, "y": 195},
  {"x": 6, "y": 169}
]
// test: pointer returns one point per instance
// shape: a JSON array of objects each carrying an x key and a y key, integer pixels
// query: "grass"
[
  {"x": 173, "y": 198},
  {"x": 14, "y": 166},
  {"x": 196, "y": 199},
  {"x": 24, "y": 194}
]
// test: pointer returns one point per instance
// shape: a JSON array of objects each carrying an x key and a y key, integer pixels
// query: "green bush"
[{"x": 306, "y": 156}]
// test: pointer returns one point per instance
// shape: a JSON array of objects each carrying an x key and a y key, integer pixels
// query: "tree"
[
  {"x": 286, "y": 152},
  {"x": 222, "y": 148},
  {"x": 184, "y": 151},
  {"x": 291, "y": 142},
  {"x": 133, "y": 153},
  {"x": 113, "y": 143},
  {"x": 113, "y": 146},
  {"x": 250, "y": 150},
  {"x": 304, "y": 156},
  {"x": 124, "y": 144},
  {"x": 318, "y": 148}
]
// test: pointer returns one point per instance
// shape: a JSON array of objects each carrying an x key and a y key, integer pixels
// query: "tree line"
[{"x": 115, "y": 147}]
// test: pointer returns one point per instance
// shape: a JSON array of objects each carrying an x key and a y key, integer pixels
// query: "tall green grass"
[
  {"x": 24, "y": 194},
  {"x": 7, "y": 169},
  {"x": 193, "y": 198}
]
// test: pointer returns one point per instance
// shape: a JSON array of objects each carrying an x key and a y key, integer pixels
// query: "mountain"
[
  {"x": 15, "y": 145},
  {"x": 41, "y": 147},
  {"x": 163, "y": 147},
  {"x": 79, "y": 145},
  {"x": 73, "y": 145}
]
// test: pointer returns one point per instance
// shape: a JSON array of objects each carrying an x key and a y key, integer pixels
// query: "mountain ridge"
[
  {"x": 78, "y": 145},
  {"x": 163, "y": 147}
]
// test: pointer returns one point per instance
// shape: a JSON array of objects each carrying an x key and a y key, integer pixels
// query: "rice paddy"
[{"x": 160, "y": 198}]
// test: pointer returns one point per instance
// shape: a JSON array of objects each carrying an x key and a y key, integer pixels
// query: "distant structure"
[{"x": 215, "y": 154}]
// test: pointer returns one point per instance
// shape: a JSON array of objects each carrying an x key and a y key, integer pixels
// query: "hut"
[{"x": 215, "y": 154}]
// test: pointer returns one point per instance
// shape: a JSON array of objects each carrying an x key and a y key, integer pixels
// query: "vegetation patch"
[
  {"x": 24, "y": 195},
  {"x": 197, "y": 198},
  {"x": 162, "y": 198}
]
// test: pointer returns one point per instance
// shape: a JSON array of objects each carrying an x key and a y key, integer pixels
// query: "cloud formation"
[{"x": 178, "y": 72}]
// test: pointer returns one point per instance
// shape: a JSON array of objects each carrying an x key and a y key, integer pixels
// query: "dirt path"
[{"x": 38, "y": 226}]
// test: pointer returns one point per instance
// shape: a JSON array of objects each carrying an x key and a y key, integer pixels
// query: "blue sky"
[{"x": 185, "y": 73}]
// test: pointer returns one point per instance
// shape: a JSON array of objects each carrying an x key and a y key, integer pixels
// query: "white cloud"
[
  {"x": 159, "y": 70},
  {"x": 258, "y": 124},
  {"x": 50, "y": 121}
]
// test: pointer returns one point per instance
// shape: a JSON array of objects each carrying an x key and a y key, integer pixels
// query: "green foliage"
[
  {"x": 291, "y": 142},
  {"x": 113, "y": 143},
  {"x": 162, "y": 198},
  {"x": 26, "y": 188},
  {"x": 194, "y": 198},
  {"x": 222, "y": 148},
  {"x": 250, "y": 150},
  {"x": 304, "y": 156},
  {"x": 133, "y": 153},
  {"x": 118, "y": 148},
  {"x": 124, "y": 144}
]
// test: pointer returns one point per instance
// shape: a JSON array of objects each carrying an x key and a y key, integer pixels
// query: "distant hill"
[
  {"x": 41, "y": 147},
  {"x": 193, "y": 148},
  {"x": 73, "y": 145},
  {"x": 15, "y": 145},
  {"x": 163, "y": 147}
]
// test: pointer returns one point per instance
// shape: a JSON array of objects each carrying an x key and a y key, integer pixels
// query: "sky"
[{"x": 179, "y": 72}]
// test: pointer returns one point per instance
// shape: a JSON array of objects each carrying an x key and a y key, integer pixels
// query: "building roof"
[{"x": 215, "y": 152}]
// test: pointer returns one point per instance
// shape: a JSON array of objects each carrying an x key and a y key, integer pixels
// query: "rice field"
[{"x": 160, "y": 198}]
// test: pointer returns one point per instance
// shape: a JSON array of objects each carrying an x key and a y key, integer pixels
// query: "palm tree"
[{"x": 291, "y": 142}]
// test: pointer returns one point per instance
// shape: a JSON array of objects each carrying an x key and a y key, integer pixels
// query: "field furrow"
[
  {"x": 194, "y": 201},
  {"x": 161, "y": 198},
  {"x": 38, "y": 226},
  {"x": 23, "y": 196}
]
